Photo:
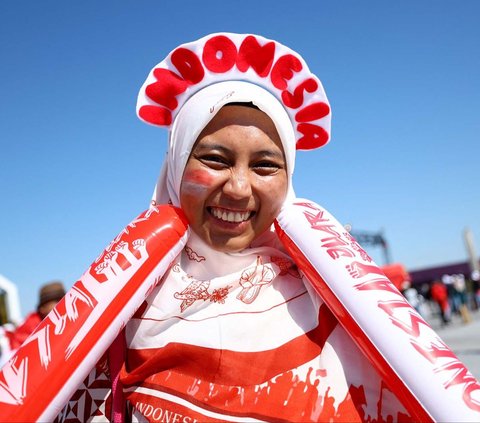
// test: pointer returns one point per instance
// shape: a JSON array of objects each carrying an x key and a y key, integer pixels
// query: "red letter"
[
  {"x": 219, "y": 54},
  {"x": 391, "y": 306},
  {"x": 378, "y": 284},
  {"x": 296, "y": 99},
  {"x": 467, "y": 395},
  {"x": 461, "y": 374},
  {"x": 283, "y": 70},
  {"x": 315, "y": 220},
  {"x": 167, "y": 87},
  {"x": 309, "y": 205},
  {"x": 313, "y": 112},
  {"x": 260, "y": 58},
  {"x": 433, "y": 352},
  {"x": 155, "y": 115},
  {"x": 313, "y": 136},
  {"x": 188, "y": 64},
  {"x": 335, "y": 253}
]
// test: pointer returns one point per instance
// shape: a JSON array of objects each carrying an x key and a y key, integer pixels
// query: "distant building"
[{"x": 430, "y": 274}]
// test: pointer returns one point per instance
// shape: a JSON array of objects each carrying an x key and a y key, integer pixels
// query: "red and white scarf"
[{"x": 241, "y": 337}]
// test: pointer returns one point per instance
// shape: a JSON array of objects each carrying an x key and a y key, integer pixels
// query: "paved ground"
[{"x": 462, "y": 338}]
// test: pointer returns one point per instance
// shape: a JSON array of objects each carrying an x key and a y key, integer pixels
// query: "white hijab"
[{"x": 197, "y": 112}]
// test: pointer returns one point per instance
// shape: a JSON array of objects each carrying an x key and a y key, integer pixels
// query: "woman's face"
[{"x": 235, "y": 180}]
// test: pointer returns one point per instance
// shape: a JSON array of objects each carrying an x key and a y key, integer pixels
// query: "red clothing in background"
[{"x": 22, "y": 332}]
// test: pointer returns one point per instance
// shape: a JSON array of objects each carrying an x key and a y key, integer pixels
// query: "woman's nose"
[{"x": 238, "y": 185}]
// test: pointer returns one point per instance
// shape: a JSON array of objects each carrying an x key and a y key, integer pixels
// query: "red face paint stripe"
[{"x": 199, "y": 177}]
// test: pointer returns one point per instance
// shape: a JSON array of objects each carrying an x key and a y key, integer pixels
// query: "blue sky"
[{"x": 77, "y": 165}]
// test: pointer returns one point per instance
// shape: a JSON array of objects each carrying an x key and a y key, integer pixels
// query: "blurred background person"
[
  {"x": 451, "y": 293},
  {"x": 414, "y": 298},
  {"x": 460, "y": 297},
  {"x": 439, "y": 294},
  {"x": 49, "y": 295},
  {"x": 475, "y": 279}
]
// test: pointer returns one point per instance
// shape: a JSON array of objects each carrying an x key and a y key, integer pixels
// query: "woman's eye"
[
  {"x": 213, "y": 161},
  {"x": 266, "y": 168}
]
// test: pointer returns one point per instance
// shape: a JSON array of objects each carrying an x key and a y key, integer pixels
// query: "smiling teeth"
[{"x": 230, "y": 216}]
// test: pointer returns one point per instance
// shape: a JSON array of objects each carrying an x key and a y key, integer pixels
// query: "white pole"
[
  {"x": 12, "y": 300},
  {"x": 472, "y": 255}
]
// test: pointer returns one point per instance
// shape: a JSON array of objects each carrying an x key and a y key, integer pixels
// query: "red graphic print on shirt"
[{"x": 253, "y": 279}]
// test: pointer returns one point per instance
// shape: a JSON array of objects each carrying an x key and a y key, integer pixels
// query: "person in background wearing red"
[
  {"x": 50, "y": 294},
  {"x": 439, "y": 294}
]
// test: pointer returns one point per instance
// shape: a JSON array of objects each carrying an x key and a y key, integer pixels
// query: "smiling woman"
[
  {"x": 235, "y": 180},
  {"x": 243, "y": 318},
  {"x": 235, "y": 332}
]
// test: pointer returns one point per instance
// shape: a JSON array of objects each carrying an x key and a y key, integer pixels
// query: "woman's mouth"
[{"x": 230, "y": 216}]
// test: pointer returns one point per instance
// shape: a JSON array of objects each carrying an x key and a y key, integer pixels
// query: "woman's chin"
[{"x": 229, "y": 244}]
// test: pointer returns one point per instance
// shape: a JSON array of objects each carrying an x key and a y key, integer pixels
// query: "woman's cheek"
[
  {"x": 196, "y": 182},
  {"x": 275, "y": 188}
]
